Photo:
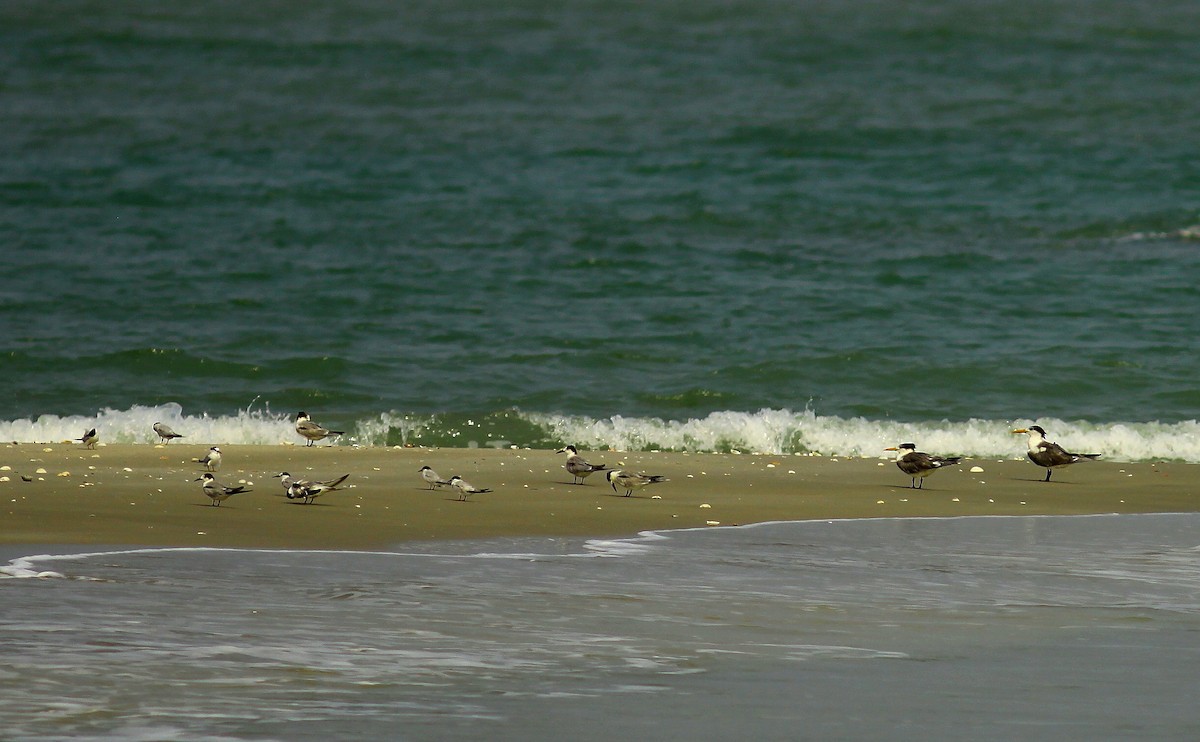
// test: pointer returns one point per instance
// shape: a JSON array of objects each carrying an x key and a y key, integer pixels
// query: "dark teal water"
[{"x": 581, "y": 219}]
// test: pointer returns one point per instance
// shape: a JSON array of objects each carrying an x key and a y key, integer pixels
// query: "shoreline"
[{"x": 145, "y": 495}]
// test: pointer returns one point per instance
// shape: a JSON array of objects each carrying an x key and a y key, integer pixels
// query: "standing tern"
[
  {"x": 310, "y": 430},
  {"x": 577, "y": 467},
  {"x": 164, "y": 432},
  {"x": 211, "y": 460},
  {"x": 919, "y": 465},
  {"x": 432, "y": 479},
  {"x": 465, "y": 488},
  {"x": 89, "y": 439},
  {"x": 629, "y": 481},
  {"x": 217, "y": 491},
  {"x": 1050, "y": 455}
]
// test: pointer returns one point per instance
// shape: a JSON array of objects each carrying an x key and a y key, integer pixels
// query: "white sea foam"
[
  {"x": 786, "y": 432},
  {"x": 135, "y": 425},
  {"x": 769, "y": 431}
]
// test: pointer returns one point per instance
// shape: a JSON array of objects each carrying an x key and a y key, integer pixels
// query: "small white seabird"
[
  {"x": 465, "y": 488},
  {"x": 629, "y": 481},
  {"x": 164, "y": 433},
  {"x": 576, "y": 466},
  {"x": 310, "y": 430},
  {"x": 919, "y": 465},
  {"x": 89, "y": 439},
  {"x": 432, "y": 479},
  {"x": 211, "y": 460},
  {"x": 216, "y": 491},
  {"x": 1050, "y": 455}
]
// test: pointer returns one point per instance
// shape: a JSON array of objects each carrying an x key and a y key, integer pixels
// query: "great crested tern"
[
  {"x": 164, "y": 433},
  {"x": 465, "y": 488},
  {"x": 211, "y": 460},
  {"x": 629, "y": 481},
  {"x": 577, "y": 467},
  {"x": 216, "y": 491},
  {"x": 89, "y": 439},
  {"x": 432, "y": 478},
  {"x": 1050, "y": 455},
  {"x": 918, "y": 464},
  {"x": 310, "y": 430}
]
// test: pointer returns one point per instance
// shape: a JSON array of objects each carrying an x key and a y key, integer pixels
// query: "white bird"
[
  {"x": 465, "y": 488},
  {"x": 629, "y": 481},
  {"x": 89, "y": 439},
  {"x": 164, "y": 432},
  {"x": 310, "y": 430},
  {"x": 1050, "y": 455},
  {"x": 432, "y": 479},
  {"x": 216, "y": 491},
  {"x": 576, "y": 466},
  {"x": 211, "y": 460},
  {"x": 919, "y": 465}
]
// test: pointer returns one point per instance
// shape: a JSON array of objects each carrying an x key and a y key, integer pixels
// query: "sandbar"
[{"x": 146, "y": 495}]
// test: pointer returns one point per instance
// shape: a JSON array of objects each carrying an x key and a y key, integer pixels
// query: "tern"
[
  {"x": 465, "y": 488},
  {"x": 1050, "y": 455},
  {"x": 918, "y": 464},
  {"x": 629, "y": 481},
  {"x": 211, "y": 460},
  {"x": 217, "y": 491},
  {"x": 310, "y": 430},
  {"x": 309, "y": 491},
  {"x": 89, "y": 439},
  {"x": 576, "y": 466},
  {"x": 432, "y": 478},
  {"x": 164, "y": 432}
]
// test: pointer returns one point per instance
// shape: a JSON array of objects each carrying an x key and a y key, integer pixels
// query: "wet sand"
[{"x": 146, "y": 495}]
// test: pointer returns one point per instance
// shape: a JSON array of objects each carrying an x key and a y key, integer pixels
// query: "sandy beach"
[{"x": 147, "y": 495}]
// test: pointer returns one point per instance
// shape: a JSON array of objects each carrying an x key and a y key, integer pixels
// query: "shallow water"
[{"x": 1038, "y": 628}]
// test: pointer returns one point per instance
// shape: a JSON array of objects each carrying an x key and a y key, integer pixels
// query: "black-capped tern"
[
  {"x": 211, "y": 460},
  {"x": 89, "y": 439},
  {"x": 918, "y": 464},
  {"x": 465, "y": 488},
  {"x": 1050, "y": 455},
  {"x": 432, "y": 478},
  {"x": 216, "y": 491},
  {"x": 576, "y": 466},
  {"x": 629, "y": 481},
  {"x": 164, "y": 433},
  {"x": 310, "y": 430}
]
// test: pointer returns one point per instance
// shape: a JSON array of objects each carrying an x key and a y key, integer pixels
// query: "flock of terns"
[
  {"x": 308, "y": 490},
  {"x": 916, "y": 464},
  {"x": 1042, "y": 452}
]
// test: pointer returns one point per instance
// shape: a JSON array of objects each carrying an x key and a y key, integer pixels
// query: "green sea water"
[{"x": 573, "y": 219}]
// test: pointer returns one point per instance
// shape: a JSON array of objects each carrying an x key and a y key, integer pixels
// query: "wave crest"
[{"x": 768, "y": 431}]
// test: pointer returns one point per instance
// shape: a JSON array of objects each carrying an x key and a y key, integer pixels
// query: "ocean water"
[
  {"x": 977, "y": 628},
  {"x": 704, "y": 225}
]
